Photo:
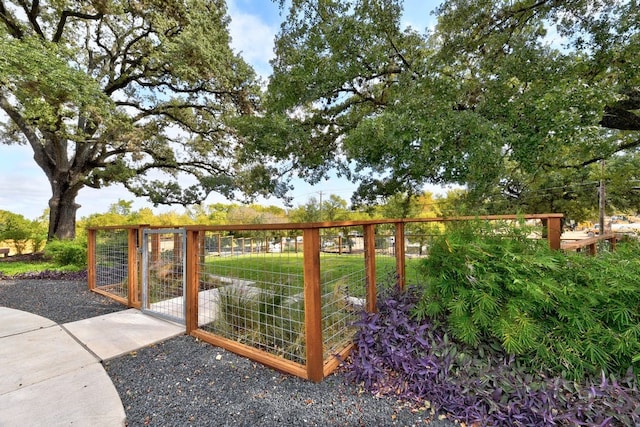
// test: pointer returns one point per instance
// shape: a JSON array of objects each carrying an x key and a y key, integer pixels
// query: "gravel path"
[
  {"x": 59, "y": 300},
  {"x": 184, "y": 382}
]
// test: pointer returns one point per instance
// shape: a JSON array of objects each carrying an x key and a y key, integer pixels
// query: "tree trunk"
[{"x": 63, "y": 208}]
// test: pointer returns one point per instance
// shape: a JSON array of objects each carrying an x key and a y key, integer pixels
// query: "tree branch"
[
  {"x": 10, "y": 22},
  {"x": 39, "y": 154},
  {"x": 620, "y": 118},
  {"x": 32, "y": 14},
  {"x": 399, "y": 54},
  {"x": 69, "y": 13},
  {"x": 623, "y": 147}
]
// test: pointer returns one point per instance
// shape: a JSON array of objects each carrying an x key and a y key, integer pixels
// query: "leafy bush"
[
  {"x": 67, "y": 252},
  {"x": 569, "y": 313},
  {"x": 398, "y": 355}
]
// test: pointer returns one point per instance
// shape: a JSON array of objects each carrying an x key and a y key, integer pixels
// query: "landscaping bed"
[{"x": 183, "y": 381}]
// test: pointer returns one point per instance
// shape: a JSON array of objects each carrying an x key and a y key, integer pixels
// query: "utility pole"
[
  {"x": 602, "y": 197},
  {"x": 320, "y": 207}
]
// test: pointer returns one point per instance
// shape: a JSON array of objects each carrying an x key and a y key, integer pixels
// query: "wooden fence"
[
  {"x": 319, "y": 351},
  {"x": 591, "y": 243}
]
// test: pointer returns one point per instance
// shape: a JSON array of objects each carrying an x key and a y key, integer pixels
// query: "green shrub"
[
  {"x": 67, "y": 252},
  {"x": 572, "y": 314}
]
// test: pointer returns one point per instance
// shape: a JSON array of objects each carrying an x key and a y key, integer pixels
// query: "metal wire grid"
[
  {"x": 417, "y": 247},
  {"x": 343, "y": 283},
  {"x": 253, "y": 296},
  {"x": 386, "y": 273},
  {"x": 164, "y": 284},
  {"x": 341, "y": 242},
  {"x": 340, "y": 310},
  {"x": 112, "y": 261},
  {"x": 227, "y": 245}
]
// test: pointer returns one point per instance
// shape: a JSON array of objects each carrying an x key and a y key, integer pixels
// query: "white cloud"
[
  {"x": 253, "y": 39},
  {"x": 418, "y": 14}
]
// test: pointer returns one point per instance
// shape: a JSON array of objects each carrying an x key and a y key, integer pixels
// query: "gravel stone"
[
  {"x": 62, "y": 301},
  {"x": 186, "y": 382}
]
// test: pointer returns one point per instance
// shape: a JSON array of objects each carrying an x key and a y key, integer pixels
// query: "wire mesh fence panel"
[
  {"x": 251, "y": 291},
  {"x": 112, "y": 261},
  {"x": 418, "y": 242},
  {"x": 163, "y": 288},
  {"x": 343, "y": 285},
  {"x": 604, "y": 246},
  {"x": 385, "y": 252},
  {"x": 590, "y": 249}
]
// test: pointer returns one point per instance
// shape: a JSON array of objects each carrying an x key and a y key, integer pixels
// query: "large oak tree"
[
  {"x": 517, "y": 100},
  {"x": 126, "y": 91},
  {"x": 561, "y": 80}
]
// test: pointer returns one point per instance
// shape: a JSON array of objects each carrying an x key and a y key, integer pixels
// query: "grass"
[
  {"x": 288, "y": 267},
  {"x": 11, "y": 268}
]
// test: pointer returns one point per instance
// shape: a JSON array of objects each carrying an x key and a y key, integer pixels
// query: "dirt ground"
[{"x": 34, "y": 257}]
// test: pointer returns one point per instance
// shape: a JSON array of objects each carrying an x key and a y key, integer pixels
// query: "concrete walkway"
[{"x": 51, "y": 375}]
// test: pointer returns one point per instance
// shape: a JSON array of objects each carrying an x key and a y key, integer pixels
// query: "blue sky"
[{"x": 24, "y": 188}]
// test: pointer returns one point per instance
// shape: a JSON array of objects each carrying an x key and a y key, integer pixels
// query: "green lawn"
[
  {"x": 11, "y": 268},
  {"x": 287, "y": 268}
]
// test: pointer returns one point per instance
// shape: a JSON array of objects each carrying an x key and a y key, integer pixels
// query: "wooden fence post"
[
  {"x": 201, "y": 247},
  {"x": 132, "y": 270},
  {"x": 177, "y": 246},
  {"x": 369, "y": 234},
  {"x": 554, "y": 231},
  {"x": 155, "y": 248},
  {"x": 313, "y": 304},
  {"x": 400, "y": 255},
  {"x": 192, "y": 265},
  {"x": 91, "y": 258}
]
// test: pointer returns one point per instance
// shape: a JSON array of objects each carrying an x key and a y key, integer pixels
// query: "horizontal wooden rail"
[
  {"x": 334, "y": 224},
  {"x": 356, "y": 223},
  {"x": 118, "y": 227},
  {"x": 590, "y": 243}
]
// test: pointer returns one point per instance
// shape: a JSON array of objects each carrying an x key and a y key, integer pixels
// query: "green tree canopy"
[
  {"x": 560, "y": 82},
  {"x": 20, "y": 232},
  {"x": 332, "y": 208},
  {"x": 491, "y": 98},
  {"x": 126, "y": 91}
]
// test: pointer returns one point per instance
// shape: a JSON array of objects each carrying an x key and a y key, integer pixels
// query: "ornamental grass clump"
[{"x": 416, "y": 360}]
